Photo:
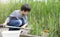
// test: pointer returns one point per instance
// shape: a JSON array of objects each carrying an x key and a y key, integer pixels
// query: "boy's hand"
[
  {"x": 4, "y": 24},
  {"x": 24, "y": 25}
]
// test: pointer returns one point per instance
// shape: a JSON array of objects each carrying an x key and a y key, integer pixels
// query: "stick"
[{"x": 2, "y": 26}]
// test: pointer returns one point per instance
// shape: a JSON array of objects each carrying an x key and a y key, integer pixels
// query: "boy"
[{"x": 18, "y": 17}]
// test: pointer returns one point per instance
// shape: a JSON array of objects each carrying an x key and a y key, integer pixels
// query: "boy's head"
[{"x": 25, "y": 8}]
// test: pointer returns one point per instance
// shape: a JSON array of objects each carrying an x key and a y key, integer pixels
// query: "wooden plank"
[{"x": 27, "y": 35}]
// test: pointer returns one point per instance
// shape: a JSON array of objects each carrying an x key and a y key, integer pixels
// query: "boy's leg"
[{"x": 16, "y": 23}]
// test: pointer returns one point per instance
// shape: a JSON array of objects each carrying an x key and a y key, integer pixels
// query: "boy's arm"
[{"x": 25, "y": 25}]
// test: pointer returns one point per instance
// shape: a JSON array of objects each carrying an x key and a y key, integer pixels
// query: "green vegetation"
[{"x": 44, "y": 15}]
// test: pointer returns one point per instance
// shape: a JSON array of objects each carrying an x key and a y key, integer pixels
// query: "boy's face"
[{"x": 25, "y": 12}]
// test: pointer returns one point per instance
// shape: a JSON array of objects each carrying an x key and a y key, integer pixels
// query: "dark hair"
[{"x": 25, "y": 7}]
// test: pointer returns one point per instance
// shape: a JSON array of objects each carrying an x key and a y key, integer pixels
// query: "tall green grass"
[{"x": 42, "y": 16}]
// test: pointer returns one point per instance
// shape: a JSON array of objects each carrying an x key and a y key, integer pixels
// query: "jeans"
[{"x": 16, "y": 23}]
